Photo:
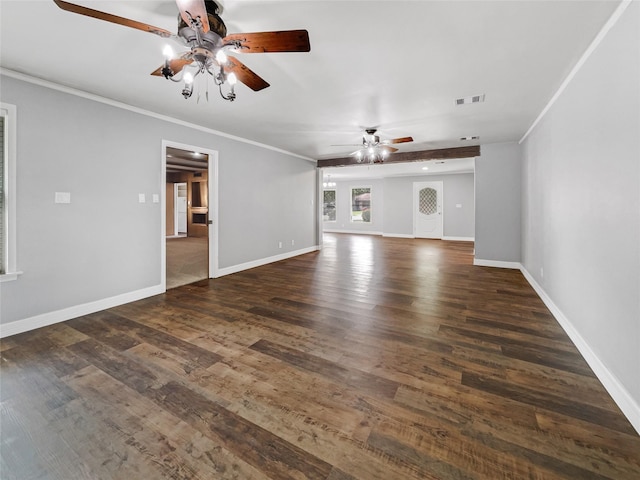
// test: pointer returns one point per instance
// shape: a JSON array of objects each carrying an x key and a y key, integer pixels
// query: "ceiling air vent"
[{"x": 472, "y": 99}]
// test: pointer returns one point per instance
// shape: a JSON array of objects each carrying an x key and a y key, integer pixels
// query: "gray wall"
[
  {"x": 265, "y": 198},
  {"x": 105, "y": 244},
  {"x": 392, "y": 205},
  {"x": 498, "y": 200},
  {"x": 457, "y": 189},
  {"x": 581, "y": 207}
]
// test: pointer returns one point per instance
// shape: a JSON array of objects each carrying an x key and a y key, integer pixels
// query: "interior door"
[
  {"x": 212, "y": 215},
  {"x": 181, "y": 208},
  {"x": 427, "y": 210}
]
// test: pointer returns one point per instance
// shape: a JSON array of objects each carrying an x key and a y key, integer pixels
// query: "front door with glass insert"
[{"x": 427, "y": 208}]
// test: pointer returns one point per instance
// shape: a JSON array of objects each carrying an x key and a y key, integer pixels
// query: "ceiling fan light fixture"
[
  {"x": 328, "y": 183},
  {"x": 187, "y": 90},
  {"x": 166, "y": 68},
  {"x": 221, "y": 57}
]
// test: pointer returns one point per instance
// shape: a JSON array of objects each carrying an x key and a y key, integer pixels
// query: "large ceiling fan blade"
[
  {"x": 245, "y": 74},
  {"x": 193, "y": 9},
  {"x": 401, "y": 140},
  {"x": 389, "y": 149},
  {"x": 90, "y": 12},
  {"x": 268, "y": 42},
  {"x": 176, "y": 65}
]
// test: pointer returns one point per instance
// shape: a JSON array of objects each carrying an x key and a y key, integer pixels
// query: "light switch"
[
  {"x": 141, "y": 198},
  {"x": 156, "y": 198},
  {"x": 63, "y": 197}
]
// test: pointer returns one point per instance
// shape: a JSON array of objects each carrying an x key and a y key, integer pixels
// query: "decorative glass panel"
[
  {"x": 428, "y": 201},
  {"x": 329, "y": 206}
]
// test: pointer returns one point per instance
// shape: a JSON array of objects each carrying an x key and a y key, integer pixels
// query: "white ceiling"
[{"x": 396, "y": 65}]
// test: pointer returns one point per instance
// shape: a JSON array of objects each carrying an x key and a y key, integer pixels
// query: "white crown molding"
[
  {"x": 615, "y": 16},
  {"x": 114, "y": 103}
]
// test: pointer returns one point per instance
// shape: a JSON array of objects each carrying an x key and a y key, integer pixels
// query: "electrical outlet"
[
  {"x": 279, "y": 244},
  {"x": 293, "y": 242},
  {"x": 541, "y": 272}
]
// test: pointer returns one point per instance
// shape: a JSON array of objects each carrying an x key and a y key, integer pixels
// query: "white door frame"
[
  {"x": 175, "y": 209},
  {"x": 213, "y": 208},
  {"x": 417, "y": 186}
]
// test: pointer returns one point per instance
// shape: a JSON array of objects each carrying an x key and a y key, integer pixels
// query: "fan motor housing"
[
  {"x": 216, "y": 24},
  {"x": 210, "y": 40}
]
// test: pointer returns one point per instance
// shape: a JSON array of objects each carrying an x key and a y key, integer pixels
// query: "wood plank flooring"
[{"x": 376, "y": 358}]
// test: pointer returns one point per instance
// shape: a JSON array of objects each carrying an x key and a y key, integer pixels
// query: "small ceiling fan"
[
  {"x": 202, "y": 31},
  {"x": 374, "y": 150}
]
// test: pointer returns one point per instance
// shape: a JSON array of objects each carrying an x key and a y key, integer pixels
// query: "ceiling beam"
[{"x": 422, "y": 155}]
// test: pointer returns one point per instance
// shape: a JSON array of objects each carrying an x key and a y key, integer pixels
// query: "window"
[
  {"x": 329, "y": 206},
  {"x": 361, "y": 204},
  {"x": 7, "y": 192}
]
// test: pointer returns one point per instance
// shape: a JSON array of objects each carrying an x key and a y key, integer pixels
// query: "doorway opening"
[{"x": 189, "y": 213}]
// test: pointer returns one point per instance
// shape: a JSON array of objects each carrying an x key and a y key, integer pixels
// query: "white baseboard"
[
  {"x": 496, "y": 263},
  {"x": 398, "y": 235},
  {"x": 402, "y": 235},
  {"x": 459, "y": 239},
  {"x": 357, "y": 232},
  {"x": 618, "y": 392},
  {"x": 42, "y": 320},
  {"x": 264, "y": 261}
]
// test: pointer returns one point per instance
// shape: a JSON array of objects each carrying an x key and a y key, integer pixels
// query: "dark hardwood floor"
[{"x": 376, "y": 358}]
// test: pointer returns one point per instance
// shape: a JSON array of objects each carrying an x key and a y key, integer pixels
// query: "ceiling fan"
[
  {"x": 202, "y": 31},
  {"x": 374, "y": 150}
]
